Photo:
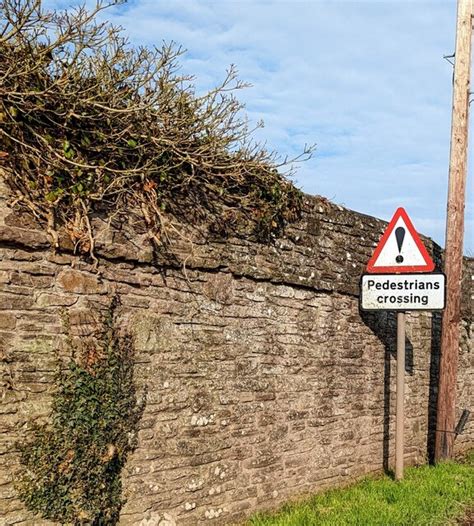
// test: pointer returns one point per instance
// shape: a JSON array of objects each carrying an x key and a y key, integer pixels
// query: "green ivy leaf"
[
  {"x": 52, "y": 196},
  {"x": 69, "y": 154}
]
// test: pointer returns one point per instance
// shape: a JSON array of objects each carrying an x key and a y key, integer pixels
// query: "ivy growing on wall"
[{"x": 72, "y": 464}]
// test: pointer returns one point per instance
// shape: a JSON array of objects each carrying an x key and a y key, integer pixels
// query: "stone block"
[
  {"x": 80, "y": 282},
  {"x": 45, "y": 299},
  {"x": 7, "y": 321}
]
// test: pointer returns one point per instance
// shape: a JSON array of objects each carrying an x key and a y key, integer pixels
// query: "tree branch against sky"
[{"x": 366, "y": 81}]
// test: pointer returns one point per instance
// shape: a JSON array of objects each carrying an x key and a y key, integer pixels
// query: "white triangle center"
[{"x": 408, "y": 255}]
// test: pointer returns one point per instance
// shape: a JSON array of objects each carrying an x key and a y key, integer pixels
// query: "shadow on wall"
[
  {"x": 434, "y": 366},
  {"x": 434, "y": 376},
  {"x": 384, "y": 325}
]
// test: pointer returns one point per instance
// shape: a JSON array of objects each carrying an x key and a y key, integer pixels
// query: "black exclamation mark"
[{"x": 400, "y": 235}]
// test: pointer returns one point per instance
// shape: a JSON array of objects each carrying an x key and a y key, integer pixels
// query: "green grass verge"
[{"x": 428, "y": 496}]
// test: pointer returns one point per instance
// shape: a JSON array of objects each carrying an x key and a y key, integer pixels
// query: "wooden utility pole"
[{"x": 454, "y": 235}]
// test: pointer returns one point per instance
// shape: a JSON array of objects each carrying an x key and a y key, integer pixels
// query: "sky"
[{"x": 364, "y": 80}]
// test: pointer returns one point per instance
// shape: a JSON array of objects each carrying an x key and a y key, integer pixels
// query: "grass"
[{"x": 428, "y": 496}]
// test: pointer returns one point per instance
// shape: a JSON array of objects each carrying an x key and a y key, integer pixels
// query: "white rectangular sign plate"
[{"x": 403, "y": 292}]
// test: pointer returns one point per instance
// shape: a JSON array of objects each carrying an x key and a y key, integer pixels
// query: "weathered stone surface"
[
  {"x": 79, "y": 282},
  {"x": 265, "y": 381},
  {"x": 7, "y": 321}
]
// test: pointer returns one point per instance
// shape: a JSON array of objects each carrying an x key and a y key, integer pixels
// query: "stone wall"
[{"x": 265, "y": 382}]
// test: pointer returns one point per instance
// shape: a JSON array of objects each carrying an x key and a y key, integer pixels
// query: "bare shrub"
[{"x": 90, "y": 124}]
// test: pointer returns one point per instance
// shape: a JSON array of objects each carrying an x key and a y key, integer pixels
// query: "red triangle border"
[{"x": 400, "y": 269}]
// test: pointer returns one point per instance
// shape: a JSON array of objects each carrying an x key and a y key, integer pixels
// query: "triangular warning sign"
[{"x": 400, "y": 249}]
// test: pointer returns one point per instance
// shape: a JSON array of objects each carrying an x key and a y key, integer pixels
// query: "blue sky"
[{"x": 364, "y": 80}]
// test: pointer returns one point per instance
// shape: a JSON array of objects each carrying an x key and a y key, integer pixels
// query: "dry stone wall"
[{"x": 265, "y": 381}]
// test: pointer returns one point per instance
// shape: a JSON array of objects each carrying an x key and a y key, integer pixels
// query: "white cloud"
[{"x": 364, "y": 80}]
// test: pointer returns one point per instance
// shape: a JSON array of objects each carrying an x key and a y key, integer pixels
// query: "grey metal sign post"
[
  {"x": 401, "y": 279},
  {"x": 400, "y": 408}
]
